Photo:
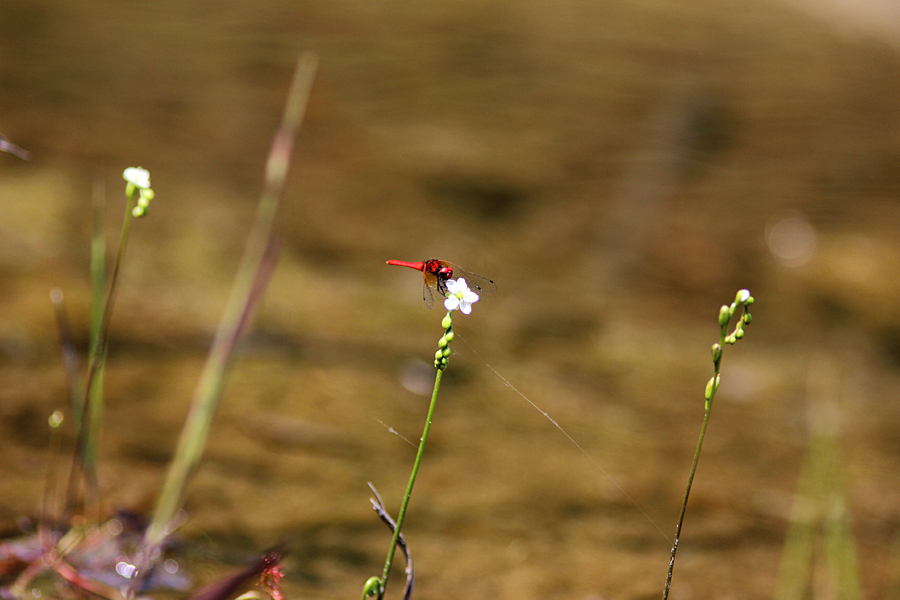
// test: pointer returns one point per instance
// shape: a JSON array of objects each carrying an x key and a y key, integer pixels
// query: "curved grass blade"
[{"x": 253, "y": 273}]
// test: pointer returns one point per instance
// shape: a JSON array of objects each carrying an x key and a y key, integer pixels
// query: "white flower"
[
  {"x": 459, "y": 296},
  {"x": 138, "y": 177}
]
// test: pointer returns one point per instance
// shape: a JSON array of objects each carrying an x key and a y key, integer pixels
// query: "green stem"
[
  {"x": 742, "y": 300},
  {"x": 99, "y": 344},
  {"x": 84, "y": 455},
  {"x": 687, "y": 492},
  {"x": 409, "y": 487},
  {"x": 98, "y": 281}
]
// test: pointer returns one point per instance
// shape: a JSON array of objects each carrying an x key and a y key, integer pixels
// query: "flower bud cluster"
[
  {"x": 442, "y": 356},
  {"x": 743, "y": 299},
  {"x": 138, "y": 180}
]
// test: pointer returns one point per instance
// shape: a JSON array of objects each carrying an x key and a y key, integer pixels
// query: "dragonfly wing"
[
  {"x": 427, "y": 296},
  {"x": 480, "y": 285},
  {"x": 433, "y": 288}
]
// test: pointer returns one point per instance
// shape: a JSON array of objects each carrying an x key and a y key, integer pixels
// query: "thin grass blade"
[{"x": 256, "y": 266}]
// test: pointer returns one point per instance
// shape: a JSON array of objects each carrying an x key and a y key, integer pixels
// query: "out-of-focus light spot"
[
  {"x": 171, "y": 566},
  {"x": 35, "y": 593},
  {"x": 791, "y": 238},
  {"x": 417, "y": 377},
  {"x": 742, "y": 385},
  {"x": 125, "y": 570},
  {"x": 55, "y": 419},
  {"x": 114, "y": 527}
]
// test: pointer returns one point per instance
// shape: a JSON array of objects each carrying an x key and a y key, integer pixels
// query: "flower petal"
[
  {"x": 137, "y": 176},
  {"x": 459, "y": 296}
]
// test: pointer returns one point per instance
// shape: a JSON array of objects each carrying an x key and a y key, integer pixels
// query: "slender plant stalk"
[
  {"x": 48, "y": 504},
  {"x": 457, "y": 297},
  {"x": 256, "y": 265},
  {"x": 743, "y": 299},
  {"x": 98, "y": 284},
  {"x": 94, "y": 418},
  {"x": 409, "y": 487},
  {"x": 687, "y": 494},
  {"x": 76, "y": 405},
  {"x": 820, "y": 515},
  {"x": 69, "y": 353},
  {"x": 102, "y": 328},
  {"x": 83, "y": 460},
  {"x": 378, "y": 505}
]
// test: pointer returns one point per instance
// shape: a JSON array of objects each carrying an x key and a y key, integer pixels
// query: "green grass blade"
[{"x": 256, "y": 265}]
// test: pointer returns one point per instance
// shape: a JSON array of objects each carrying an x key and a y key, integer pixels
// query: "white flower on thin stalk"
[
  {"x": 459, "y": 296},
  {"x": 138, "y": 177},
  {"x": 138, "y": 180}
]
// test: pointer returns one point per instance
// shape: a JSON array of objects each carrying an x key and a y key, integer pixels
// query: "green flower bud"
[
  {"x": 716, "y": 352},
  {"x": 442, "y": 343},
  {"x": 438, "y": 355},
  {"x": 143, "y": 201},
  {"x": 711, "y": 387},
  {"x": 447, "y": 322},
  {"x": 449, "y": 336},
  {"x": 724, "y": 316},
  {"x": 742, "y": 297},
  {"x": 747, "y": 318}
]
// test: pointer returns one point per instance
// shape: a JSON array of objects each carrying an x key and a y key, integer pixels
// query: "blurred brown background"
[{"x": 620, "y": 169}]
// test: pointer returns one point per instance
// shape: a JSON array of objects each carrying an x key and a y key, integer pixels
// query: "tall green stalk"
[
  {"x": 458, "y": 297},
  {"x": 820, "y": 517},
  {"x": 742, "y": 301},
  {"x": 409, "y": 486},
  {"x": 256, "y": 265},
  {"x": 88, "y": 416},
  {"x": 98, "y": 284}
]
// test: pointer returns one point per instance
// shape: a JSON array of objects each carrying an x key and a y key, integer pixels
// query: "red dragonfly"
[{"x": 437, "y": 272}]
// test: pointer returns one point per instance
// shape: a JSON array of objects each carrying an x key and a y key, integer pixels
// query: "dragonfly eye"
[{"x": 446, "y": 273}]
